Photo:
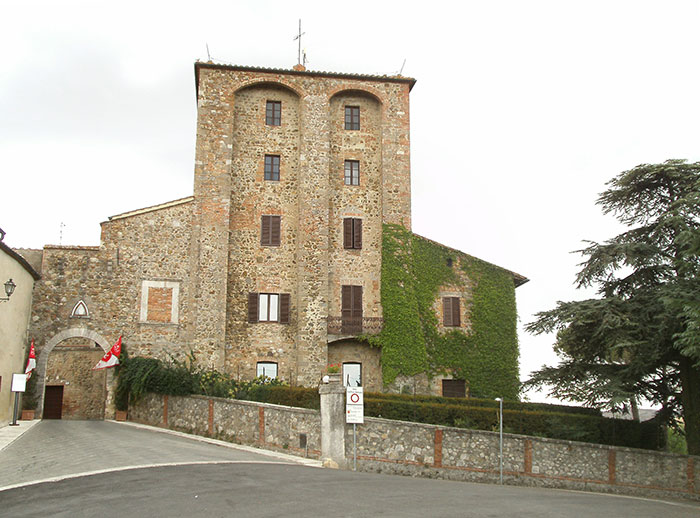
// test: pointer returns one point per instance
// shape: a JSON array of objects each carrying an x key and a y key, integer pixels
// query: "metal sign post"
[
  {"x": 19, "y": 384},
  {"x": 354, "y": 413}
]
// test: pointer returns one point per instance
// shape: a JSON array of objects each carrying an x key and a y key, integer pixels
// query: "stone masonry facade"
[{"x": 275, "y": 261}]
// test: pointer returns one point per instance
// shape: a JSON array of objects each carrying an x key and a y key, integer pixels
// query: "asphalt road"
[
  {"x": 246, "y": 483},
  {"x": 287, "y": 490}
]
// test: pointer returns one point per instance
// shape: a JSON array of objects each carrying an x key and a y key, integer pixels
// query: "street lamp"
[
  {"x": 500, "y": 436},
  {"x": 9, "y": 290}
]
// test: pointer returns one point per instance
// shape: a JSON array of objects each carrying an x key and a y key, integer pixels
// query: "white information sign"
[
  {"x": 354, "y": 406},
  {"x": 19, "y": 382}
]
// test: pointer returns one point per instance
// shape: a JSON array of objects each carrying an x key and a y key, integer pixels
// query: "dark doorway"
[{"x": 53, "y": 402}]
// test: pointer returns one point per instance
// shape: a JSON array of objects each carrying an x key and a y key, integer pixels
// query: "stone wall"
[
  {"x": 386, "y": 446},
  {"x": 366, "y": 355},
  {"x": 413, "y": 449},
  {"x": 275, "y": 427},
  {"x": 84, "y": 390},
  {"x": 310, "y": 263}
]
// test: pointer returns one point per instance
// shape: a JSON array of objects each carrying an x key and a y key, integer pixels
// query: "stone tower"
[{"x": 295, "y": 173}]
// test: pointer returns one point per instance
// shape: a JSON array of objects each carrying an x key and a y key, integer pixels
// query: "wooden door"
[{"x": 53, "y": 402}]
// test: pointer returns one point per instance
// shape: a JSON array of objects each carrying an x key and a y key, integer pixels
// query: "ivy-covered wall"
[{"x": 412, "y": 341}]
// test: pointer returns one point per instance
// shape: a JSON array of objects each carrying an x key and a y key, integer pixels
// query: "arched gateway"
[{"x": 43, "y": 359}]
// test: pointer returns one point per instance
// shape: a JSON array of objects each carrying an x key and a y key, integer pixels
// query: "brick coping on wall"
[{"x": 527, "y": 477}]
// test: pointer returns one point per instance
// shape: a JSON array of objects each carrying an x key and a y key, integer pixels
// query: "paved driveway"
[
  {"x": 245, "y": 482},
  {"x": 60, "y": 448}
]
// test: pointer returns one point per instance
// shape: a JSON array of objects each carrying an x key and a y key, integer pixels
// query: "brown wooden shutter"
[
  {"x": 357, "y": 233},
  {"x": 346, "y": 302},
  {"x": 275, "y": 230},
  {"x": 357, "y": 302},
  {"x": 284, "y": 308},
  {"x": 252, "y": 308},
  {"x": 447, "y": 311},
  {"x": 347, "y": 232},
  {"x": 265, "y": 231},
  {"x": 455, "y": 312}
]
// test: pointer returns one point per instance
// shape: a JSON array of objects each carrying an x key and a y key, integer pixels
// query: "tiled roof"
[{"x": 367, "y": 77}]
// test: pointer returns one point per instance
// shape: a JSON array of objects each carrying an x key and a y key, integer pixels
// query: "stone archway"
[{"x": 43, "y": 359}]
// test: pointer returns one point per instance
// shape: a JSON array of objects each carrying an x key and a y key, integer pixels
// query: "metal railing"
[{"x": 354, "y": 325}]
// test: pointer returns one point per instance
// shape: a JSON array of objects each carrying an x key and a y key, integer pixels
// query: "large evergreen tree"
[{"x": 640, "y": 338}]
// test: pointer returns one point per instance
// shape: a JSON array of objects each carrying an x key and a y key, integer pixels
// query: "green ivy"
[{"x": 413, "y": 270}]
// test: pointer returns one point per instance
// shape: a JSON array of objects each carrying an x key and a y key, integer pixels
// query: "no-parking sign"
[{"x": 354, "y": 406}]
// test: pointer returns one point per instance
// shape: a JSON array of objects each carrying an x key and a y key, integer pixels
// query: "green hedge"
[
  {"x": 289, "y": 396},
  {"x": 556, "y": 425},
  {"x": 138, "y": 376},
  {"x": 490, "y": 403}
]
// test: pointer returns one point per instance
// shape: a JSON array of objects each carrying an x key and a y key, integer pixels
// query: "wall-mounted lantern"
[{"x": 9, "y": 290}]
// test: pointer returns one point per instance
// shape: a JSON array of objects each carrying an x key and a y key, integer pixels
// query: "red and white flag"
[
  {"x": 111, "y": 358},
  {"x": 31, "y": 361}
]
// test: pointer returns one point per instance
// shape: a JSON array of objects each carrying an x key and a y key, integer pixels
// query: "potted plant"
[{"x": 333, "y": 371}]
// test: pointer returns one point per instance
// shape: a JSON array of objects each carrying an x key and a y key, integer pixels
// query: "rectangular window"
[
  {"x": 351, "y": 309},
  {"x": 266, "y": 369},
  {"x": 270, "y": 230},
  {"x": 268, "y": 307},
  {"x": 352, "y": 374},
  {"x": 454, "y": 388},
  {"x": 273, "y": 113},
  {"x": 450, "y": 311},
  {"x": 352, "y": 172},
  {"x": 272, "y": 167},
  {"x": 352, "y": 117},
  {"x": 352, "y": 233}
]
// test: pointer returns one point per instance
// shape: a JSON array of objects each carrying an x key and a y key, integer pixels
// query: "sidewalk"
[
  {"x": 286, "y": 457},
  {"x": 9, "y": 433}
]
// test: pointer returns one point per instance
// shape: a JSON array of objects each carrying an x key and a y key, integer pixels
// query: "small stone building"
[{"x": 274, "y": 265}]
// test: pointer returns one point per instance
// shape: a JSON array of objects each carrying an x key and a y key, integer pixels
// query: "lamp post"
[
  {"x": 500, "y": 436},
  {"x": 9, "y": 290}
]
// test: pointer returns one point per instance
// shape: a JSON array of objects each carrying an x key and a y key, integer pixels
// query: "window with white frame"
[{"x": 267, "y": 369}]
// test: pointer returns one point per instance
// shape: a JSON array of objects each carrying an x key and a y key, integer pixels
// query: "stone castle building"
[{"x": 273, "y": 266}]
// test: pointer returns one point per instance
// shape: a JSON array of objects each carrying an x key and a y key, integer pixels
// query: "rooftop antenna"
[
  {"x": 298, "y": 37},
  {"x": 60, "y": 235},
  {"x": 208, "y": 55},
  {"x": 403, "y": 65},
  {"x": 304, "y": 60}
]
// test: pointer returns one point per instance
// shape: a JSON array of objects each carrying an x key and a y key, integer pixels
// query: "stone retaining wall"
[
  {"x": 387, "y": 446},
  {"x": 414, "y": 449},
  {"x": 292, "y": 430}
]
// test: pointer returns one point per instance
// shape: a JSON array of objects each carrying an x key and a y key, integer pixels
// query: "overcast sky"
[{"x": 521, "y": 113}]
